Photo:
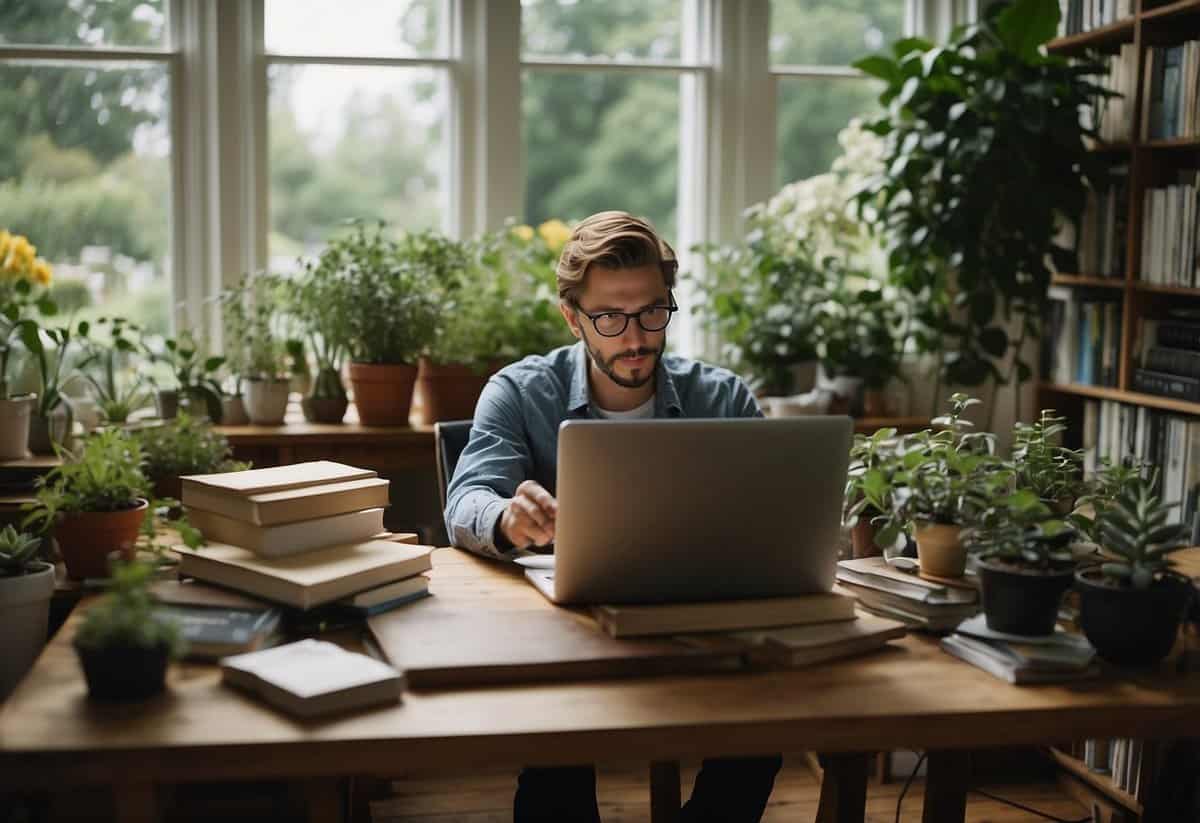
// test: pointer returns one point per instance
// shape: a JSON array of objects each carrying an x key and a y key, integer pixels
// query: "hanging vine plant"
[{"x": 984, "y": 153}]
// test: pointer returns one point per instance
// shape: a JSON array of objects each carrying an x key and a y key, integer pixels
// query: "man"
[{"x": 615, "y": 277}]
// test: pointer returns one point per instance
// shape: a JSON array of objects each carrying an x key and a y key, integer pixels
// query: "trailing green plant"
[
  {"x": 185, "y": 445},
  {"x": 105, "y": 475},
  {"x": 1018, "y": 528},
  {"x": 984, "y": 153},
  {"x": 19, "y": 552},
  {"x": 125, "y": 617},
  {"x": 117, "y": 393},
  {"x": 195, "y": 375},
  {"x": 1135, "y": 529},
  {"x": 1043, "y": 465},
  {"x": 874, "y": 462}
]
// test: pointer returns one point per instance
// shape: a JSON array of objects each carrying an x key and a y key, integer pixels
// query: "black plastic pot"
[
  {"x": 1022, "y": 601},
  {"x": 124, "y": 672},
  {"x": 1131, "y": 627}
]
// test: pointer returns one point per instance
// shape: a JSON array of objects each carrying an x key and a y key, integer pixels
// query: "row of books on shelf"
[
  {"x": 1170, "y": 224},
  {"x": 1077, "y": 16},
  {"x": 1170, "y": 109},
  {"x": 1101, "y": 240},
  {"x": 1081, "y": 342},
  {"x": 1169, "y": 357},
  {"x": 1113, "y": 117},
  {"x": 1120, "y": 758},
  {"x": 1122, "y": 433}
]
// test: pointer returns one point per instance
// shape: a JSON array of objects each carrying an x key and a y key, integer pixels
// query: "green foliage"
[
  {"x": 1100, "y": 492},
  {"x": 106, "y": 475},
  {"x": 1044, "y": 466},
  {"x": 125, "y": 616},
  {"x": 1135, "y": 529},
  {"x": 185, "y": 445},
  {"x": 18, "y": 552},
  {"x": 251, "y": 311},
  {"x": 859, "y": 330},
  {"x": 107, "y": 365},
  {"x": 985, "y": 152},
  {"x": 51, "y": 349},
  {"x": 874, "y": 462},
  {"x": 194, "y": 374},
  {"x": 1018, "y": 528}
]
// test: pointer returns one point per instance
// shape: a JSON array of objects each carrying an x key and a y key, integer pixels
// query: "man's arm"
[
  {"x": 495, "y": 461},
  {"x": 745, "y": 404}
]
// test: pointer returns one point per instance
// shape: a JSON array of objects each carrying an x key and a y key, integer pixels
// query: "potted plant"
[
  {"x": 1025, "y": 563},
  {"x": 392, "y": 315},
  {"x": 874, "y": 462},
  {"x": 254, "y": 307},
  {"x": 123, "y": 646},
  {"x": 521, "y": 262},
  {"x": 1131, "y": 605},
  {"x": 317, "y": 301},
  {"x": 182, "y": 446},
  {"x": 117, "y": 395},
  {"x": 53, "y": 418},
  {"x": 1044, "y": 466},
  {"x": 94, "y": 502},
  {"x": 945, "y": 480},
  {"x": 26, "y": 586},
  {"x": 194, "y": 375},
  {"x": 24, "y": 274},
  {"x": 984, "y": 153}
]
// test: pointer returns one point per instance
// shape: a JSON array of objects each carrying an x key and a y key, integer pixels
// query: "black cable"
[
  {"x": 1024, "y": 808},
  {"x": 907, "y": 783}
]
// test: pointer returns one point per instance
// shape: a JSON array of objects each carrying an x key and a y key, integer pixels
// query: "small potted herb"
[
  {"x": 1025, "y": 562},
  {"x": 1044, "y": 466},
  {"x": 95, "y": 502},
  {"x": 1131, "y": 605},
  {"x": 185, "y": 445},
  {"x": 104, "y": 366},
  {"x": 123, "y": 646},
  {"x": 874, "y": 461},
  {"x": 195, "y": 378},
  {"x": 254, "y": 308},
  {"x": 524, "y": 260},
  {"x": 26, "y": 586},
  {"x": 51, "y": 348},
  {"x": 317, "y": 300}
]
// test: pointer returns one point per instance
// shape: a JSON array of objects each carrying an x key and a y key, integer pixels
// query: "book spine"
[{"x": 1166, "y": 385}]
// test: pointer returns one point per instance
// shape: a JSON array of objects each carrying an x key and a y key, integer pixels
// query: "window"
[
  {"x": 356, "y": 119},
  {"x": 86, "y": 171},
  {"x": 812, "y": 44}
]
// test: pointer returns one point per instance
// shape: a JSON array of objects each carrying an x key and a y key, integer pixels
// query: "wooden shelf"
[
  {"x": 1112, "y": 34},
  {"x": 1157, "y": 288},
  {"x": 1180, "y": 7},
  {"x": 1088, "y": 280},
  {"x": 903, "y": 425},
  {"x": 1172, "y": 144},
  {"x": 1111, "y": 148},
  {"x": 1100, "y": 782},
  {"x": 1133, "y": 398}
]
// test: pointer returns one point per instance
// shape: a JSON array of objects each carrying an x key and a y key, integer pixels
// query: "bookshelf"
[{"x": 1101, "y": 783}]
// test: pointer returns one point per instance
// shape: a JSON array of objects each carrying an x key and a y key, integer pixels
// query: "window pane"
[
  {"x": 355, "y": 28},
  {"x": 601, "y": 140},
  {"x": 630, "y": 29},
  {"x": 811, "y": 113},
  {"x": 88, "y": 181},
  {"x": 84, "y": 22},
  {"x": 347, "y": 142},
  {"x": 832, "y": 32}
]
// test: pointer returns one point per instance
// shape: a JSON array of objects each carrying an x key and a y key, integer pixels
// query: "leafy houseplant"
[
  {"x": 874, "y": 461},
  {"x": 94, "y": 503},
  {"x": 195, "y": 377},
  {"x": 117, "y": 395},
  {"x": 26, "y": 586},
  {"x": 318, "y": 302},
  {"x": 1044, "y": 466},
  {"x": 252, "y": 311},
  {"x": 122, "y": 645},
  {"x": 23, "y": 278},
  {"x": 47, "y": 429},
  {"x": 183, "y": 446},
  {"x": 984, "y": 151},
  {"x": 1131, "y": 605}
]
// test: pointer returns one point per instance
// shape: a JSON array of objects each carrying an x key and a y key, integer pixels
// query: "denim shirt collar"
[{"x": 666, "y": 397}]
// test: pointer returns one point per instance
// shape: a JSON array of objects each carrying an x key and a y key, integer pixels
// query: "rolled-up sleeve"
[
  {"x": 745, "y": 404},
  {"x": 495, "y": 461}
]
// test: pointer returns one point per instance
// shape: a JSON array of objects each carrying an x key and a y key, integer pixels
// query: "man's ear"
[{"x": 568, "y": 313}]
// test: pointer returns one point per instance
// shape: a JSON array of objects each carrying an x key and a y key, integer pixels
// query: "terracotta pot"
[
  {"x": 266, "y": 401},
  {"x": 449, "y": 391},
  {"x": 383, "y": 393},
  {"x": 14, "y": 427},
  {"x": 24, "y": 618},
  {"x": 940, "y": 551},
  {"x": 87, "y": 538},
  {"x": 862, "y": 538}
]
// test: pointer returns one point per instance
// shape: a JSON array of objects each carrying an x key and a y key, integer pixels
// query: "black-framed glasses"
[{"x": 614, "y": 323}]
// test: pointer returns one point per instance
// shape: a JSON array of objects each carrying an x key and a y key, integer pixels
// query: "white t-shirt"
[{"x": 642, "y": 412}]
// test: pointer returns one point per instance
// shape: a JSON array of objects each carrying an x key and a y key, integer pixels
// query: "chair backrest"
[{"x": 450, "y": 438}]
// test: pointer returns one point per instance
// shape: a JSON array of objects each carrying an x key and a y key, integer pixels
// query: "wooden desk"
[{"x": 910, "y": 696}]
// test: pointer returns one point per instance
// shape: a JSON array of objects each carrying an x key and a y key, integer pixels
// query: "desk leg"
[
  {"x": 664, "y": 791},
  {"x": 843, "y": 787},
  {"x": 946, "y": 786},
  {"x": 325, "y": 799},
  {"x": 135, "y": 803}
]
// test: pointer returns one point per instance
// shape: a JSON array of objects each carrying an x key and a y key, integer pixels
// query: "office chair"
[{"x": 450, "y": 438}]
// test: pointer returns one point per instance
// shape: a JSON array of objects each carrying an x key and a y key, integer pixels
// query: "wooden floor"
[{"x": 624, "y": 798}]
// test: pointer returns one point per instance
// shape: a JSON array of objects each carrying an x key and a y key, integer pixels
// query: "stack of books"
[
  {"x": 303, "y": 535},
  {"x": 1053, "y": 658},
  {"x": 915, "y": 601}
]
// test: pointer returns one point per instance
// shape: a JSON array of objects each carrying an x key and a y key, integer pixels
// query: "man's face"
[{"x": 628, "y": 359}]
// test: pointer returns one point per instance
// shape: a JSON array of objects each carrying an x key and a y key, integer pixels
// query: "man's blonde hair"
[{"x": 615, "y": 240}]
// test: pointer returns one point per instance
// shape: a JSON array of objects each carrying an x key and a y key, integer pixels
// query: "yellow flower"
[
  {"x": 555, "y": 234},
  {"x": 5, "y": 242},
  {"x": 21, "y": 254},
  {"x": 521, "y": 232},
  {"x": 42, "y": 274}
]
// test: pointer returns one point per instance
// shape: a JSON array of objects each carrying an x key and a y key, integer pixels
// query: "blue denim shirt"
[{"x": 514, "y": 436}]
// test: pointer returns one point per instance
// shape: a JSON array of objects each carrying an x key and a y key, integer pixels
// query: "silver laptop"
[{"x": 657, "y": 511}]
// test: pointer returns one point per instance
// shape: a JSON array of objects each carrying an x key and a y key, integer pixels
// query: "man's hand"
[{"x": 529, "y": 518}]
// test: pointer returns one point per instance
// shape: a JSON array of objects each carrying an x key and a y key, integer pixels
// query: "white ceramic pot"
[
  {"x": 24, "y": 614},
  {"x": 266, "y": 401},
  {"x": 14, "y": 427}
]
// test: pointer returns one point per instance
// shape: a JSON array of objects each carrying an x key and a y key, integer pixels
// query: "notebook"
[
  {"x": 290, "y": 505},
  {"x": 288, "y": 538}
]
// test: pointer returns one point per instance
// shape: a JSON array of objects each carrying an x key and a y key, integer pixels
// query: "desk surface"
[{"x": 912, "y": 695}]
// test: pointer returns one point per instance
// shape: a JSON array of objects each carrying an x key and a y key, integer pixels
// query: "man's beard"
[{"x": 608, "y": 367}]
